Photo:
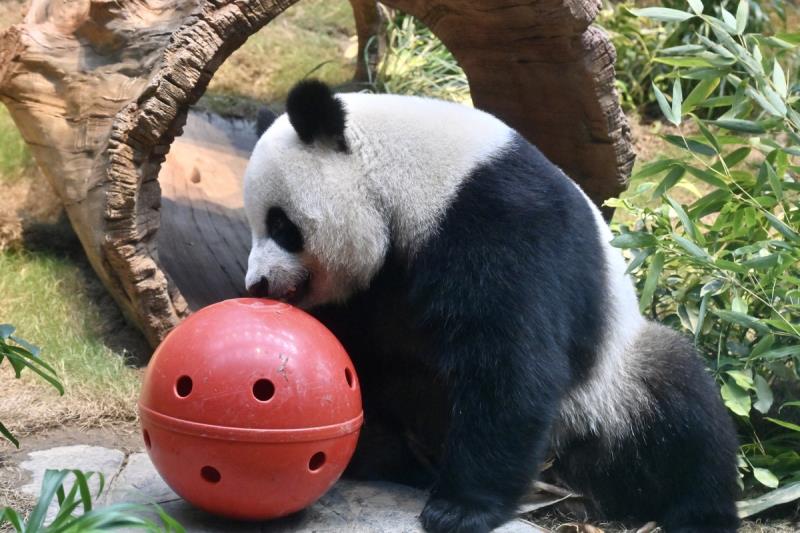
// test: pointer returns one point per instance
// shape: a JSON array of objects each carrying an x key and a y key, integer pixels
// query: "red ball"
[{"x": 250, "y": 409}]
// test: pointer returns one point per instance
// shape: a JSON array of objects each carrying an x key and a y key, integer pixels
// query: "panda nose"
[{"x": 259, "y": 289}]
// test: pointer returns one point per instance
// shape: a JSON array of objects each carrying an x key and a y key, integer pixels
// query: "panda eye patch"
[{"x": 283, "y": 231}]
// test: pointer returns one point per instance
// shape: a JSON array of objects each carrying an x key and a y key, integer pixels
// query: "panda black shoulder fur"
[{"x": 489, "y": 320}]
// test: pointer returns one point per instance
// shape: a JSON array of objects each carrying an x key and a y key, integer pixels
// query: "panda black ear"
[{"x": 316, "y": 114}]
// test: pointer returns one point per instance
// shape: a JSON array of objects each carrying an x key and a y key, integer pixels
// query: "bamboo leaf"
[
  {"x": 735, "y": 124},
  {"x": 742, "y": 319},
  {"x": 653, "y": 273},
  {"x": 664, "y": 105},
  {"x": 779, "y": 79},
  {"x": 677, "y": 99},
  {"x": 784, "y": 230},
  {"x": 784, "y": 423},
  {"x": 742, "y": 13},
  {"x": 690, "y": 247},
  {"x": 663, "y": 14},
  {"x": 765, "y": 477},
  {"x": 634, "y": 240},
  {"x": 697, "y": 6},
  {"x": 764, "y": 395}
]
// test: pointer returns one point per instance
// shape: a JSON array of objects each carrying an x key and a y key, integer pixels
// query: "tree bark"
[{"x": 100, "y": 89}]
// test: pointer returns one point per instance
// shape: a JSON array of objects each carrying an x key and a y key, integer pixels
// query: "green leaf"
[
  {"x": 741, "y": 319},
  {"x": 697, "y": 6},
  {"x": 637, "y": 261},
  {"x": 728, "y": 21},
  {"x": 762, "y": 101},
  {"x": 650, "y": 283},
  {"x": 12, "y": 517},
  {"x": 712, "y": 287},
  {"x": 737, "y": 156},
  {"x": 708, "y": 177},
  {"x": 52, "y": 481},
  {"x": 677, "y": 99},
  {"x": 780, "y": 496},
  {"x": 781, "y": 353},
  {"x": 774, "y": 181},
  {"x": 664, "y": 105},
  {"x": 663, "y": 14},
  {"x": 784, "y": 230},
  {"x": 742, "y": 13},
  {"x": 684, "y": 61},
  {"x": 736, "y": 399},
  {"x": 634, "y": 240},
  {"x": 738, "y": 305},
  {"x": 779, "y": 79},
  {"x": 793, "y": 38},
  {"x": 669, "y": 181},
  {"x": 690, "y": 247},
  {"x": 688, "y": 225},
  {"x": 735, "y": 124},
  {"x": 703, "y": 129},
  {"x": 789, "y": 404},
  {"x": 7, "y": 434},
  {"x": 690, "y": 144},
  {"x": 653, "y": 168},
  {"x": 762, "y": 345},
  {"x": 783, "y": 423},
  {"x": 765, "y": 477},
  {"x": 763, "y": 393},
  {"x": 701, "y": 317},
  {"x": 742, "y": 379}
]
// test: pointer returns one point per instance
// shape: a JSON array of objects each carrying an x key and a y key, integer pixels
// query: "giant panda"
[{"x": 492, "y": 325}]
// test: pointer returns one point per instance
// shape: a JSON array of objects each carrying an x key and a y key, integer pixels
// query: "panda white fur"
[{"x": 490, "y": 321}]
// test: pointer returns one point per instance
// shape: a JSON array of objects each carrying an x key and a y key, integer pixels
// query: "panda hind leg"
[{"x": 676, "y": 463}]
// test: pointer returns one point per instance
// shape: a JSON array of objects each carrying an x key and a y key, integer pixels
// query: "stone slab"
[
  {"x": 78, "y": 457},
  {"x": 349, "y": 506}
]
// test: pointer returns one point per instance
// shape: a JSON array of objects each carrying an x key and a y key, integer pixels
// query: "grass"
[
  {"x": 313, "y": 37},
  {"x": 57, "y": 304},
  {"x": 15, "y": 158}
]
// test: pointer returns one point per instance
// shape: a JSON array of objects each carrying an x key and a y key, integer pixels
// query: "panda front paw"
[{"x": 442, "y": 515}]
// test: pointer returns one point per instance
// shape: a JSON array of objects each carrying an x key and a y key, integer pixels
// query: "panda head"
[
  {"x": 338, "y": 181},
  {"x": 318, "y": 233}
]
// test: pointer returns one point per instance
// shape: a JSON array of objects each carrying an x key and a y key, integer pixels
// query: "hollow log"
[{"x": 101, "y": 89}]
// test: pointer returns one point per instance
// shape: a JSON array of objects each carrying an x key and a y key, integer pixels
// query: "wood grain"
[{"x": 100, "y": 90}]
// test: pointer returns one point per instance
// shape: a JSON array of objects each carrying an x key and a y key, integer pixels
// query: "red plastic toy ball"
[{"x": 250, "y": 409}]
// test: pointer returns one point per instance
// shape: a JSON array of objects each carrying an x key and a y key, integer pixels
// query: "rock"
[{"x": 106, "y": 461}]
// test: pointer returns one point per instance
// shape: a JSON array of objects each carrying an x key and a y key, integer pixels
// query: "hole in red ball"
[
  {"x": 263, "y": 390},
  {"x": 210, "y": 474},
  {"x": 183, "y": 386},
  {"x": 146, "y": 436},
  {"x": 348, "y": 375},
  {"x": 316, "y": 461}
]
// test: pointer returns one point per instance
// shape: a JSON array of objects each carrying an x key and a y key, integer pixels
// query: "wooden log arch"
[{"x": 100, "y": 89}]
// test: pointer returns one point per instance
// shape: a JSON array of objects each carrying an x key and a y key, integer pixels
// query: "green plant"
[
  {"x": 416, "y": 62},
  {"x": 637, "y": 40},
  {"x": 718, "y": 254},
  {"x": 20, "y": 355},
  {"x": 79, "y": 495}
]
